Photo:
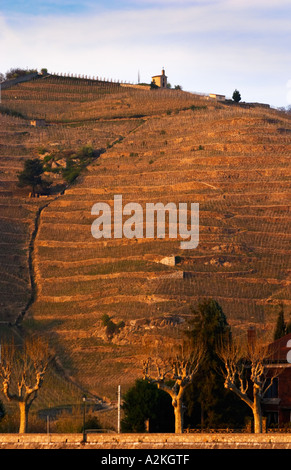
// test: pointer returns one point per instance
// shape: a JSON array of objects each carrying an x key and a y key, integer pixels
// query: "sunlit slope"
[
  {"x": 66, "y": 99},
  {"x": 50, "y": 96},
  {"x": 16, "y": 219},
  {"x": 234, "y": 162},
  {"x": 19, "y": 140}
]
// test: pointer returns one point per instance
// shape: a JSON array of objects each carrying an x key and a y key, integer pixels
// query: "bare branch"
[
  {"x": 179, "y": 365},
  {"x": 23, "y": 371}
]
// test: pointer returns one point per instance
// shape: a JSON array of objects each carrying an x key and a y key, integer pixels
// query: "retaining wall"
[
  {"x": 22, "y": 79},
  {"x": 145, "y": 441}
]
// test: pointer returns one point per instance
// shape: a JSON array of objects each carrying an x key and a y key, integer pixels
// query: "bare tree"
[
  {"x": 178, "y": 367},
  {"x": 22, "y": 373},
  {"x": 248, "y": 374}
]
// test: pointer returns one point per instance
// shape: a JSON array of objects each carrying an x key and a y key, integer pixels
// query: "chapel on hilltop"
[{"x": 160, "y": 80}]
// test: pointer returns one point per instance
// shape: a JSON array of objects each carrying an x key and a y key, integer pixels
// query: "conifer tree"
[
  {"x": 208, "y": 402},
  {"x": 280, "y": 329},
  {"x": 236, "y": 96}
]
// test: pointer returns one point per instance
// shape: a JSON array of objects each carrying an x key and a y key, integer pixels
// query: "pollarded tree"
[
  {"x": 173, "y": 371},
  {"x": 22, "y": 372},
  {"x": 247, "y": 374}
]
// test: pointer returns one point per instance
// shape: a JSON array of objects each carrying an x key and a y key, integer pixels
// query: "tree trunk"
[
  {"x": 257, "y": 412},
  {"x": 23, "y": 408},
  {"x": 202, "y": 415},
  {"x": 178, "y": 411}
]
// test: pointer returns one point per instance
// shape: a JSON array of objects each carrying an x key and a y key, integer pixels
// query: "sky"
[{"x": 206, "y": 46}]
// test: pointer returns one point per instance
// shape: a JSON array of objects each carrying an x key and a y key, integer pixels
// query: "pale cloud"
[
  {"x": 246, "y": 4},
  {"x": 288, "y": 85},
  {"x": 147, "y": 24},
  {"x": 224, "y": 4},
  {"x": 204, "y": 46}
]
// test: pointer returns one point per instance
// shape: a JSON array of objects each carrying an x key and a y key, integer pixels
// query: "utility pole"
[
  {"x": 48, "y": 427},
  {"x": 84, "y": 418},
  {"x": 118, "y": 409}
]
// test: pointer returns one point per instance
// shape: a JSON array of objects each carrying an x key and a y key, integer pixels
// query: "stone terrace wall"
[
  {"x": 146, "y": 441},
  {"x": 15, "y": 81}
]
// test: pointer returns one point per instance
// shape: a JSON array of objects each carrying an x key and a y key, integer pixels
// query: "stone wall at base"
[{"x": 146, "y": 441}]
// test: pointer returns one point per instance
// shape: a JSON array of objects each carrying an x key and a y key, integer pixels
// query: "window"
[
  {"x": 272, "y": 391},
  {"x": 272, "y": 418}
]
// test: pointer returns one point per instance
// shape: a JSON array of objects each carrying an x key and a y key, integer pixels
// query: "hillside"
[{"x": 158, "y": 146}]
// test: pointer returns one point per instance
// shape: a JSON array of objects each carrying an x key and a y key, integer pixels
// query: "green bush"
[
  {"x": 86, "y": 152},
  {"x": 11, "y": 112},
  {"x": 42, "y": 150},
  {"x": 10, "y": 423},
  {"x": 70, "y": 174},
  {"x": 144, "y": 401},
  {"x": 73, "y": 422},
  {"x": 111, "y": 327},
  {"x": 31, "y": 175}
]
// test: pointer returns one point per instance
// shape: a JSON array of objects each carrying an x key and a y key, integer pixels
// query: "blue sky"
[{"x": 208, "y": 46}]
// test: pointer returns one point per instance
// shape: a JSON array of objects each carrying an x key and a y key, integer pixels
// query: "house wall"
[
  {"x": 282, "y": 404},
  {"x": 160, "y": 80},
  {"x": 217, "y": 97},
  {"x": 38, "y": 123}
]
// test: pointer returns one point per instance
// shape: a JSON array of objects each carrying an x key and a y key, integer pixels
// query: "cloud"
[
  {"x": 288, "y": 86},
  {"x": 247, "y": 4},
  {"x": 149, "y": 23},
  {"x": 204, "y": 46}
]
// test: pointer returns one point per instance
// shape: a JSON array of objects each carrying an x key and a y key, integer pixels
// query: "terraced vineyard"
[
  {"x": 161, "y": 146},
  {"x": 17, "y": 216},
  {"x": 71, "y": 99}
]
